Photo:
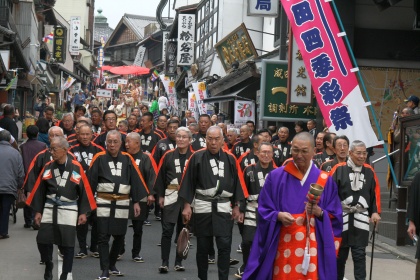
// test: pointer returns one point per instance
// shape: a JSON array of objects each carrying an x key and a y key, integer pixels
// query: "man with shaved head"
[
  {"x": 287, "y": 220},
  {"x": 211, "y": 179},
  {"x": 283, "y": 143},
  {"x": 245, "y": 145}
]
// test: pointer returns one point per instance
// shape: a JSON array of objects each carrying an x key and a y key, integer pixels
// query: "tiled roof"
[{"x": 137, "y": 23}]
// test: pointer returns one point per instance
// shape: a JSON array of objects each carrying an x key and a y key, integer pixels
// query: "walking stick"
[{"x": 372, "y": 237}]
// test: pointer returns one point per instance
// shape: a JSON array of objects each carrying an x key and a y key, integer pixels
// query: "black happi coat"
[
  {"x": 240, "y": 148},
  {"x": 254, "y": 177},
  {"x": 119, "y": 176},
  {"x": 198, "y": 141},
  {"x": 149, "y": 141},
  {"x": 215, "y": 183},
  {"x": 163, "y": 146},
  {"x": 356, "y": 225},
  {"x": 40, "y": 160},
  {"x": 85, "y": 154},
  {"x": 61, "y": 198},
  {"x": 148, "y": 170},
  {"x": 170, "y": 172}
]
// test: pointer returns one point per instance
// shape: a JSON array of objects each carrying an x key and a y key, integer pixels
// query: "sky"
[{"x": 114, "y": 10}]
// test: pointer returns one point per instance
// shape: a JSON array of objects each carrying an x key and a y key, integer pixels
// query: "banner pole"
[{"x": 359, "y": 75}]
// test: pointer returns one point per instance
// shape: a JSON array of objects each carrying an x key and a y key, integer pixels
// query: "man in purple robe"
[{"x": 283, "y": 197}]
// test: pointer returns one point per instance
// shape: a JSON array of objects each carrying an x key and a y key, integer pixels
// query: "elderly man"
[
  {"x": 167, "y": 185},
  {"x": 254, "y": 177},
  {"x": 283, "y": 144},
  {"x": 116, "y": 179},
  {"x": 250, "y": 157},
  {"x": 212, "y": 180},
  {"x": 184, "y": 121},
  {"x": 193, "y": 127},
  {"x": 41, "y": 159},
  {"x": 84, "y": 151},
  {"x": 288, "y": 222},
  {"x": 232, "y": 137},
  {"x": 148, "y": 169},
  {"x": 61, "y": 198},
  {"x": 359, "y": 192},
  {"x": 12, "y": 175},
  {"x": 8, "y": 122},
  {"x": 245, "y": 144},
  {"x": 161, "y": 125},
  {"x": 319, "y": 141},
  {"x": 67, "y": 124}
]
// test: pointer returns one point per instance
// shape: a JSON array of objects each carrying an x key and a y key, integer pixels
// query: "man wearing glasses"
[
  {"x": 359, "y": 192},
  {"x": 296, "y": 238},
  {"x": 110, "y": 120},
  {"x": 212, "y": 180},
  {"x": 61, "y": 198}
]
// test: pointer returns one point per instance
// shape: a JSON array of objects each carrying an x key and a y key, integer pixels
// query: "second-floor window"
[{"x": 206, "y": 28}]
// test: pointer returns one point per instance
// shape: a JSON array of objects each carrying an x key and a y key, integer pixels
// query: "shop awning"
[{"x": 229, "y": 97}]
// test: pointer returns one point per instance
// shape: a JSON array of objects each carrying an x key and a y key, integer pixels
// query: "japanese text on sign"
[{"x": 186, "y": 38}]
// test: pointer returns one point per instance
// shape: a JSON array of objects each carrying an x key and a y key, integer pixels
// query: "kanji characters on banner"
[
  {"x": 201, "y": 93},
  {"x": 169, "y": 85},
  {"x": 330, "y": 69},
  {"x": 192, "y": 104}
]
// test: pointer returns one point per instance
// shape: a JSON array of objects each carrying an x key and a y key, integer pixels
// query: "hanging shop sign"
[
  {"x": 273, "y": 103},
  {"x": 59, "y": 49},
  {"x": 237, "y": 47},
  {"x": 74, "y": 35},
  {"x": 263, "y": 8},
  {"x": 186, "y": 38}
]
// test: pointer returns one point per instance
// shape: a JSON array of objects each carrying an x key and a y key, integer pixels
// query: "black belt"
[{"x": 212, "y": 199}]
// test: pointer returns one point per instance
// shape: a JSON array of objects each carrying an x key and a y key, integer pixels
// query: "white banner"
[
  {"x": 192, "y": 104},
  {"x": 104, "y": 93},
  {"x": 121, "y": 81},
  {"x": 244, "y": 111},
  {"x": 74, "y": 35},
  {"x": 169, "y": 86},
  {"x": 67, "y": 83},
  {"x": 111, "y": 86},
  {"x": 266, "y": 8},
  {"x": 186, "y": 38},
  {"x": 201, "y": 93},
  {"x": 138, "y": 61}
]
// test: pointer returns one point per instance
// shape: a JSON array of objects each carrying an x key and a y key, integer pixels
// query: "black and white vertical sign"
[
  {"x": 165, "y": 36},
  {"x": 170, "y": 59},
  {"x": 186, "y": 37},
  {"x": 74, "y": 35}
]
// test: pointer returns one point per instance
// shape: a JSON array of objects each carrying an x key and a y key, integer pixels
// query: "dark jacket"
[
  {"x": 29, "y": 150},
  {"x": 12, "y": 174}
]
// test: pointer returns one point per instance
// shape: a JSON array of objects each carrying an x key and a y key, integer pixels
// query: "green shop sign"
[{"x": 273, "y": 102}]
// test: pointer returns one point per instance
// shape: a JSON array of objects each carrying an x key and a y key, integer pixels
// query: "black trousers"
[
  {"x": 82, "y": 232},
  {"x": 358, "y": 254},
  {"x": 248, "y": 233},
  {"x": 167, "y": 233},
  {"x": 109, "y": 258},
  {"x": 46, "y": 251},
  {"x": 137, "y": 237},
  {"x": 204, "y": 243}
]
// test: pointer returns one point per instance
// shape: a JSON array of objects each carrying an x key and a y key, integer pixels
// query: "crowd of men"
[{"x": 102, "y": 171}]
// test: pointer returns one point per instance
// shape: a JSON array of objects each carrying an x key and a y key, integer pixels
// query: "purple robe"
[{"x": 283, "y": 192}]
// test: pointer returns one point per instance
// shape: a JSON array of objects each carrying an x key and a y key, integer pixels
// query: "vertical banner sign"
[
  {"x": 330, "y": 69},
  {"x": 186, "y": 32},
  {"x": 263, "y": 8},
  {"x": 70, "y": 80},
  {"x": 169, "y": 86},
  {"x": 74, "y": 35},
  {"x": 59, "y": 48},
  {"x": 192, "y": 104},
  {"x": 165, "y": 36},
  {"x": 170, "y": 59},
  {"x": 244, "y": 111},
  {"x": 201, "y": 93}
]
